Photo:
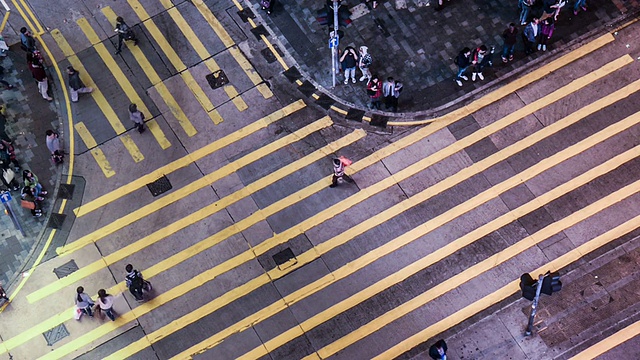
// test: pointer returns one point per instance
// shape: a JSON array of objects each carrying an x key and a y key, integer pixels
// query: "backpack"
[{"x": 136, "y": 280}]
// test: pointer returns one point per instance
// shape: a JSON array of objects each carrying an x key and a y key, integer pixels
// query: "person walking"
[
  {"x": 124, "y": 33},
  {"x": 105, "y": 304},
  {"x": 364, "y": 63},
  {"x": 76, "y": 86},
  {"x": 529, "y": 36},
  {"x": 438, "y": 351},
  {"x": 349, "y": 60},
  {"x": 463, "y": 60},
  {"x": 31, "y": 181},
  {"x": 83, "y": 301},
  {"x": 135, "y": 282},
  {"x": 38, "y": 73},
  {"x": 510, "y": 38},
  {"x": 580, "y": 4},
  {"x": 525, "y": 8},
  {"x": 388, "y": 90},
  {"x": 374, "y": 90},
  {"x": 137, "y": 117},
  {"x": 546, "y": 30},
  {"x": 339, "y": 164}
]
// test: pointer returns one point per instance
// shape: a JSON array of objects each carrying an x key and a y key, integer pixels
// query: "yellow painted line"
[
  {"x": 155, "y": 80},
  {"x": 609, "y": 343},
  {"x": 97, "y": 153},
  {"x": 431, "y": 224},
  {"x": 208, "y": 275},
  {"x": 158, "y": 134},
  {"x": 97, "y": 95},
  {"x": 119, "y": 75},
  {"x": 498, "y": 258},
  {"x": 163, "y": 202},
  {"x": 506, "y": 291},
  {"x": 233, "y": 49},
  {"x": 26, "y": 6},
  {"x": 187, "y": 159}
]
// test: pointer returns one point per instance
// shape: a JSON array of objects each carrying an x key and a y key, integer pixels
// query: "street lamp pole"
[
  {"x": 335, "y": 39},
  {"x": 534, "y": 306}
]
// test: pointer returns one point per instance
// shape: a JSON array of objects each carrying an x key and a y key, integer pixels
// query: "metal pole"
[
  {"x": 16, "y": 223},
  {"x": 534, "y": 306},
  {"x": 334, "y": 50}
]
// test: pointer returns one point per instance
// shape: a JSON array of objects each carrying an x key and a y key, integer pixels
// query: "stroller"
[{"x": 29, "y": 202}]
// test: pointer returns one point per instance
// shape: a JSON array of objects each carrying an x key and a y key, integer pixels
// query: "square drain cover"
[
  {"x": 217, "y": 79},
  {"x": 65, "y": 269},
  {"x": 66, "y": 191},
  {"x": 56, "y": 334},
  {"x": 56, "y": 221},
  {"x": 159, "y": 186},
  {"x": 285, "y": 259}
]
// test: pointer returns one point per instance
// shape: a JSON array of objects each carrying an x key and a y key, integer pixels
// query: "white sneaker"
[
  {"x": 346, "y": 81},
  {"x": 544, "y": 47},
  {"x": 353, "y": 80},
  {"x": 363, "y": 78},
  {"x": 458, "y": 82},
  {"x": 539, "y": 46},
  {"x": 481, "y": 76},
  {"x": 464, "y": 77},
  {"x": 473, "y": 77}
]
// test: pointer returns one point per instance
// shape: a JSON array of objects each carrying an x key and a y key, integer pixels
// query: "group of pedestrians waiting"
[{"x": 477, "y": 59}]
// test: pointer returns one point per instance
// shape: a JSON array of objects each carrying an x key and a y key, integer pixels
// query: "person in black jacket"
[
  {"x": 76, "y": 86},
  {"x": 438, "y": 351},
  {"x": 349, "y": 60},
  {"x": 124, "y": 33},
  {"x": 463, "y": 60}
]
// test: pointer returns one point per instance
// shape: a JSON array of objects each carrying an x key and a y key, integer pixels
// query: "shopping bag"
[
  {"x": 77, "y": 313},
  {"x": 28, "y": 204},
  {"x": 8, "y": 175},
  {"x": 345, "y": 161}
]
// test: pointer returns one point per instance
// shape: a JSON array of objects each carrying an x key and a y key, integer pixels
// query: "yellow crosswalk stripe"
[
  {"x": 120, "y": 77},
  {"x": 97, "y": 153},
  {"x": 97, "y": 95},
  {"x": 425, "y": 228},
  {"x": 233, "y": 49},
  {"x": 188, "y": 159},
  {"x": 610, "y": 342},
  {"x": 188, "y": 285},
  {"x": 179, "y": 224},
  {"x": 508, "y": 290},
  {"x": 155, "y": 80},
  {"x": 503, "y": 256},
  {"x": 175, "y": 60}
]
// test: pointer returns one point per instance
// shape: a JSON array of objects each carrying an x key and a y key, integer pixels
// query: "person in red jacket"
[
  {"x": 38, "y": 73},
  {"x": 374, "y": 90}
]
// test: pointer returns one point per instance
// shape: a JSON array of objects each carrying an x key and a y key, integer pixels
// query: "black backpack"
[{"x": 136, "y": 280}]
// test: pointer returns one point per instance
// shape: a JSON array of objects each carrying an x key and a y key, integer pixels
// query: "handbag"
[
  {"x": 8, "y": 175},
  {"x": 28, "y": 204},
  {"x": 77, "y": 313}
]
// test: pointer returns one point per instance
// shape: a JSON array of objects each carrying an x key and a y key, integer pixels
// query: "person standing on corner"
[
  {"x": 28, "y": 43},
  {"x": 339, "y": 164},
  {"x": 349, "y": 60},
  {"x": 397, "y": 89},
  {"x": 529, "y": 36},
  {"x": 267, "y": 5},
  {"x": 510, "y": 38},
  {"x": 374, "y": 90},
  {"x": 438, "y": 351},
  {"x": 31, "y": 181},
  {"x": 124, "y": 33},
  {"x": 76, "y": 86},
  {"x": 364, "y": 63},
  {"x": 463, "y": 60},
  {"x": 38, "y": 73}
]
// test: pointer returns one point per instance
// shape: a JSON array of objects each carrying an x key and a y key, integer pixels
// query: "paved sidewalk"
[
  {"x": 418, "y": 44},
  {"x": 29, "y": 116}
]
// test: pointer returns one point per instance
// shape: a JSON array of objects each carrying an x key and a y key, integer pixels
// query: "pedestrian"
[
  {"x": 580, "y": 4},
  {"x": 105, "y": 304},
  {"x": 438, "y": 351},
  {"x": 364, "y": 63},
  {"x": 267, "y": 5},
  {"x": 7, "y": 146},
  {"x": 137, "y": 117},
  {"x": 28, "y": 201},
  {"x": 439, "y": 6},
  {"x": 388, "y": 89},
  {"x": 124, "y": 33},
  {"x": 28, "y": 43},
  {"x": 6, "y": 173},
  {"x": 3, "y": 81},
  {"x": 38, "y": 73},
  {"x": 136, "y": 283},
  {"x": 463, "y": 60},
  {"x": 349, "y": 60},
  {"x": 76, "y": 86},
  {"x": 374, "y": 90},
  {"x": 396, "y": 94},
  {"x": 31, "y": 181},
  {"x": 551, "y": 8},
  {"x": 529, "y": 36},
  {"x": 510, "y": 38},
  {"x": 3, "y": 294},
  {"x": 546, "y": 30},
  {"x": 83, "y": 301},
  {"x": 480, "y": 58},
  {"x": 54, "y": 146},
  {"x": 339, "y": 164},
  {"x": 525, "y": 8}
]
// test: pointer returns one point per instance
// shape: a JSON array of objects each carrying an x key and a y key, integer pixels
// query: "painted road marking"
[
  {"x": 202, "y": 52},
  {"x": 97, "y": 95},
  {"x": 97, "y": 153},
  {"x": 609, "y": 342},
  {"x": 187, "y": 159},
  {"x": 209, "y": 275},
  {"x": 347, "y": 270},
  {"x": 508, "y": 290},
  {"x": 163, "y": 202},
  {"x": 120, "y": 77},
  {"x": 233, "y": 49},
  {"x": 502, "y": 256},
  {"x": 428, "y": 226},
  {"x": 155, "y": 80},
  {"x": 173, "y": 57}
]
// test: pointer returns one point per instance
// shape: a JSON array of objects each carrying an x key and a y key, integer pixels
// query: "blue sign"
[
  {"x": 5, "y": 197},
  {"x": 333, "y": 42}
]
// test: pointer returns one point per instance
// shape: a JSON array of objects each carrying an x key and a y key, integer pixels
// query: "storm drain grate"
[
  {"x": 285, "y": 259},
  {"x": 325, "y": 101},
  {"x": 379, "y": 121},
  {"x": 217, "y": 79},
  {"x": 293, "y": 74},
  {"x": 258, "y": 31},
  {"x": 65, "y": 269},
  {"x": 56, "y": 334},
  {"x": 307, "y": 88},
  {"x": 159, "y": 186},
  {"x": 268, "y": 55},
  {"x": 355, "y": 115},
  {"x": 246, "y": 14},
  {"x": 66, "y": 191},
  {"x": 56, "y": 221}
]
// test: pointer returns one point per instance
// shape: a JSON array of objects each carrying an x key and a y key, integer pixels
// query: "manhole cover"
[
  {"x": 217, "y": 79},
  {"x": 285, "y": 259},
  {"x": 56, "y": 334},
  {"x": 66, "y": 191},
  {"x": 159, "y": 186},
  {"x": 56, "y": 221},
  {"x": 65, "y": 269}
]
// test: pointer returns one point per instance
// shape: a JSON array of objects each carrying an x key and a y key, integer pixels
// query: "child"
[
  {"x": 545, "y": 33},
  {"x": 137, "y": 117}
]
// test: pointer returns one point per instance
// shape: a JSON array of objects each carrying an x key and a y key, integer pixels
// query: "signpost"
[
  {"x": 5, "y": 197},
  {"x": 334, "y": 40}
]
